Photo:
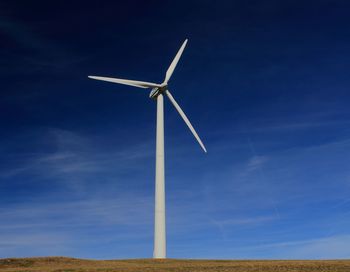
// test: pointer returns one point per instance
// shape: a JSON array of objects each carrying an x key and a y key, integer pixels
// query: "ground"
[{"x": 62, "y": 264}]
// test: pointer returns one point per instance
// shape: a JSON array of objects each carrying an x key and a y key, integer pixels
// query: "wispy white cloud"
[
  {"x": 73, "y": 157},
  {"x": 332, "y": 247},
  {"x": 23, "y": 240},
  {"x": 73, "y": 213},
  {"x": 246, "y": 220},
  {"x": 256, "y": 162},
  {"x": 45, "y": 225}
]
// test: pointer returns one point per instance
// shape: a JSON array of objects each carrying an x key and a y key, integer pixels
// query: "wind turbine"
[{"x": 157, "y": 93}]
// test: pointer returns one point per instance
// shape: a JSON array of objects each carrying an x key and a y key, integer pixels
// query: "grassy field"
[{"x": 61, "y": 264}]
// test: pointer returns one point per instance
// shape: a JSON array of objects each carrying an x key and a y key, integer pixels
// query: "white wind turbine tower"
[{"x": 158, "y": 90}]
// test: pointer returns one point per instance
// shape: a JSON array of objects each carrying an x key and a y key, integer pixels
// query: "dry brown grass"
[{"x": 62, "y": 264}]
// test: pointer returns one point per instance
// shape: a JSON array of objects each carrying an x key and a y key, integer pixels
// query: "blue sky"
[{"x": 265, "y": 84}]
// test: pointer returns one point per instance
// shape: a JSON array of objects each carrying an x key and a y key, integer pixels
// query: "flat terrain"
[{"x": 61, "y": 264}]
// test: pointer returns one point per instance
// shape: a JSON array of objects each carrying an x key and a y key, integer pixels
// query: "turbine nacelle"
[{"x": 157, "y": 91}]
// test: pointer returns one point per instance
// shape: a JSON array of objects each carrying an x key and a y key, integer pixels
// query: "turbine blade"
[
  {"x": 184, "y": 117},
  {"x": 172, "y": 66},
  {"x": 140, "y": 84}
]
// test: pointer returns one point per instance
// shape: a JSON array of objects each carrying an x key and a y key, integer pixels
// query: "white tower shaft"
[{"x": 159, "y": 215}]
